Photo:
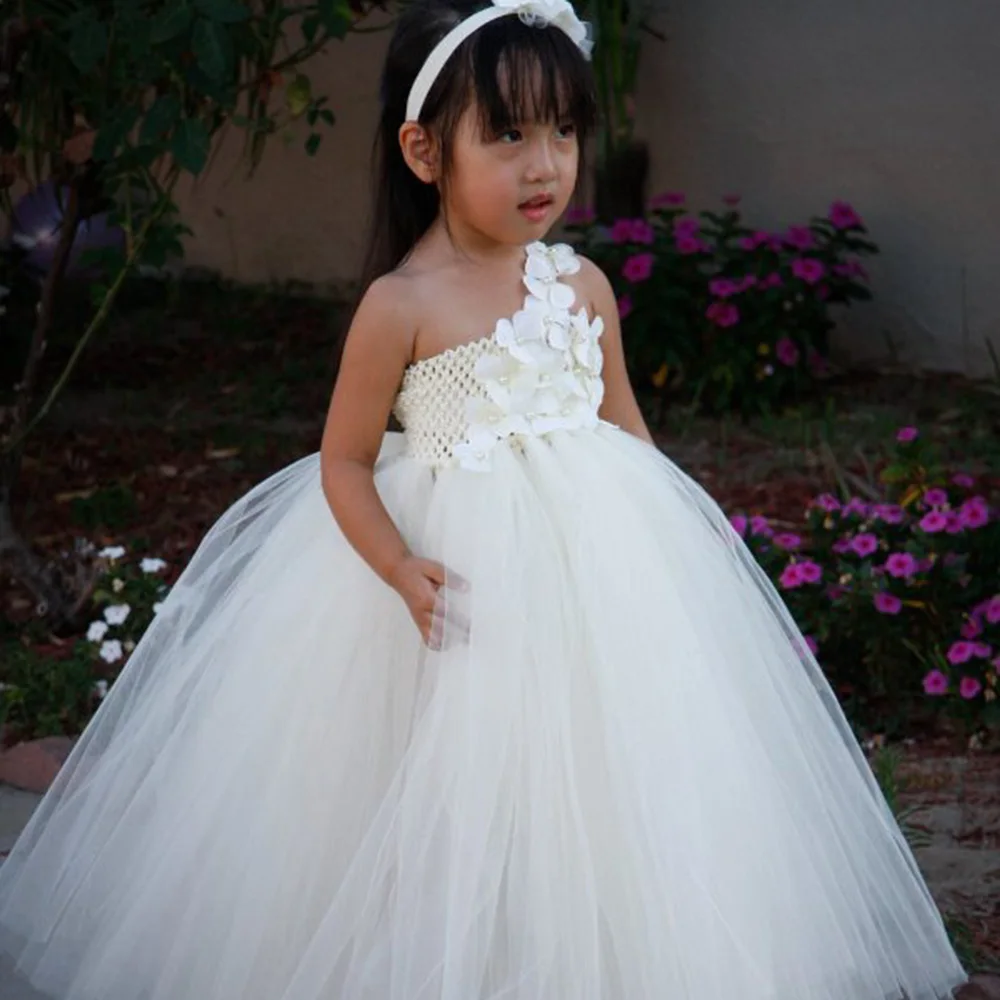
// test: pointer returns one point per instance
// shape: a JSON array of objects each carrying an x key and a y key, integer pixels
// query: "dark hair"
[{"x": 511, "y": 71}]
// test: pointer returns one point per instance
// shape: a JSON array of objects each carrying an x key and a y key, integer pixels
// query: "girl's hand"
[{"x": 418, "y": 581}]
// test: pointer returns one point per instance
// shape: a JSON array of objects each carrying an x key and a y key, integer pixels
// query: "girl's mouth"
[{"x": 536, "y": 208}]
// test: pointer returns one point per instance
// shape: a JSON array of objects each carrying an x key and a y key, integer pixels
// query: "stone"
[{"x": 33, "y": 765}]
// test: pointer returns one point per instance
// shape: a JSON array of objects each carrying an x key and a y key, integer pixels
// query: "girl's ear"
[{"x": 419, "y": 151}]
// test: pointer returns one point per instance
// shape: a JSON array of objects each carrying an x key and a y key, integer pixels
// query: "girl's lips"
[{"x": 536, "y": 208}]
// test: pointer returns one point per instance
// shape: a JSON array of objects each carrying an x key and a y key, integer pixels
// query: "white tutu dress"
[{"x": 623, "y": 777}]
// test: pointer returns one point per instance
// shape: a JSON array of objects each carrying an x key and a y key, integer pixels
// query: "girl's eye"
[
  {"x": 567, "y": 131},
  {"x": 511, "y": 135}
]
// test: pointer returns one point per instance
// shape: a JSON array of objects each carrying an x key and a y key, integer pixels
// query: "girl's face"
[{"x": 512, "y": 187}]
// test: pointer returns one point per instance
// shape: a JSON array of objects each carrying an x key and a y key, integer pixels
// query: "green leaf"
[
  {"x": 88, "y": 43},
  {"x": 336, "y": 17},
  {"x": 298, "y": 94},
  {"x": 190, "y": 145},
  {"x": 172, "y": 21},
  {"x": 160, "y": 119},
  {"x": 327, "y": 115},
  {"x": 223, "y": 11},
  {"x": 312, "y": 143},
  {"x": 212, "y": 48},
  {"x": 310, "y": 27},
  {"x": 113, "y": 133}
]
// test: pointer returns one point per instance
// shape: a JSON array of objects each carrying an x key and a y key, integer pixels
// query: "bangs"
[{"x": 522, "y": 74}]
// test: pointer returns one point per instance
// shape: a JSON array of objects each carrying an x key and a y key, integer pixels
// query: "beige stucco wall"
[{"x": 890, "y": 104}]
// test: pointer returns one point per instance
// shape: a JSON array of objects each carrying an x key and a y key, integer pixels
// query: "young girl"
[{"x": 522, "y": 719}]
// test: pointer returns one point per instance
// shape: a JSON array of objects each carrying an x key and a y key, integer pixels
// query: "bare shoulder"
[
  {"x": 386, "y": 314},
  {"x": 594, "y": 289}
]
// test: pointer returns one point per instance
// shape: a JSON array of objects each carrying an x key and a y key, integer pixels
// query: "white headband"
[{"x": 558, "y": 13}]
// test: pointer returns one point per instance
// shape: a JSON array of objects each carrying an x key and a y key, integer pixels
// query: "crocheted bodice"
[{"x": 537, "y": 373}]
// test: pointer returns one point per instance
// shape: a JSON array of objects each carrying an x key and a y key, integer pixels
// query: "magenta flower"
[
  {"x": 856, "y": 506},
  {"x": 934, "y": 522},
  {"x": 935, "y": 497},
  {"x": 907, "y": 434},
  {"x": 621, "y": 231},
  {"x": 760, "y": 526},
  {"x": 747, "y": 281},
  {"x": 687, "y": 226},
  {"x": 901, "y": 565},
  {"x": 786, "y": 352},
  {"x": 864, "y": 544},
  {"x": 954, "y": 525},
  {"x": 624, "y": 306},
  {"x": 810, "y": 572},
  {"x": 888, "y": 604},
  {"x": 800, "y": 237},
  {"x": 972, "y": 629},
  {"x": 723, "y": 314},
  {"x": 962, "y": 479},
  {"x": 843, "y": 216},
  {"x": 690, "y": 245},
  {"x": 739, "y": 523},
  {"x": 992, "y": 610},
  {"x": 974, "y": 513},
  {"x": 960, "y": 652},
  {"x": 982, "y": 649},
  {"x": 788, "y": 540},
  {"x": 773, "y": 280},
  {"x": 723, "y": 288},
  {"x": 969, "y": 688},
  {"x": 580, "y": 215},
  {"x": 851, "y": 269},
  {"x": 642, "y": 232},
  {"x": 808, "y": 270},
  {"x": 890, "y": 513},
  {"x": 935, "y": 683},
  {"x": 791, "y": 576},
  {"x": 827, "y": 502},
  {"x": 842, "y": 546},
  {"x": 667, "y": 198},
  {"x": 638, "y": 267},
  {"x": 756, "y": 239}
]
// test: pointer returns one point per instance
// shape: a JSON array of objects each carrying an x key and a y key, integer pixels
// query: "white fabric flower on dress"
[
  {"x": 115, "y": 614},
  {"x": 111, "y": 651},
  {"x": 97, "y": 631}
]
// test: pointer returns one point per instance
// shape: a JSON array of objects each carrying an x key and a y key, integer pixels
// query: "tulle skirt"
[{"x": 622, "y": 777}]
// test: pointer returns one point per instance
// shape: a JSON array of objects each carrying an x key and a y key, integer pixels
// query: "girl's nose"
[{"x": 542, "y": 165}]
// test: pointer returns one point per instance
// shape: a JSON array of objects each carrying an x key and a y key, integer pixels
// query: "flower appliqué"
[{"x": 546, "y": 375}]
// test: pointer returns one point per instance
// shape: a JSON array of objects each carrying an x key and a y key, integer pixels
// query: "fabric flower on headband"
[{"x": 557, "y": 13}]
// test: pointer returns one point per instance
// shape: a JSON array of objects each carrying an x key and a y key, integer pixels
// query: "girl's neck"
[{"x": 453, "y": 242}]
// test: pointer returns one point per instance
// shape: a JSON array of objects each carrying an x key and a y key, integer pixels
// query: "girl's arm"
[
  {"x": 619, "y": 406},
  {"x": 376, "y": 353}
]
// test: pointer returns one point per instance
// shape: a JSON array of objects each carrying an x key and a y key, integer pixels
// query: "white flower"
[
  {"x": 97, "y": 631},
  {"x": 112, "y": 552},
  {"x": 111, "y": 650},
  {"x": 152, "y": 565},
  {"x": 556, "y": 12},
  {"x": 117, "y": 585},
  {"x": 474, "y": 452},
  {"x": 157, "y": 606},
  {"x": 115, "y": 614},
  {"x": 101, "y": 689}
]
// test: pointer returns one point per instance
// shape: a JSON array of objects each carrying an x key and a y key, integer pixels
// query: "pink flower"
[
  {"x": 936, "y": 498},
  {"x": 791, "y": 576},
  {"x": 690, "y": 245},
  {"x": 810, "y": 572},
  {"x": 687, "y": 226},
  {"x": 962, "y": 479},
  {"x": 642, "y": 232},
  {"x": 934, "y": 522},
  {"x": 667, "y": 198},
  {"x": 864, "y": 545},
  {"x": 747, "y": 281},
  {"x": 827, "y": 502},
  {"x": 974, "y": 513},
  {"x": 580, "y": 216},
  {"x": 992, "y": 610},
  {"x": 843, "y": 216},
  {"x": 621, "y": 231},
  {"x": 907, "y": 434},
  {"x": 638, "y": 267},
  {"x": 954, "y": 525},
  {"x": 901, "y": 565},
  {"x": 760, "y": 526},
  {"x": 788, "y": 541},
  {"x": 890, "y": 513},
  {"x": 982, "y": 649},
  {"x": 935, "y": 683},
  {"x": 842, "y": 546},
  {"x": 773, "y": 280},
  {"x": 969, "y": 688},
  {"x": 888, "y": 604},
  {"x": 723, "y": 288},
  {"x": 960, "y": 652},
  {"x": 739, "y": 523},
  {"x": 732, "y": 200},
  {"x": 808, "y": 270},
  {"x": 786, "y": 352},
  {"x": 624, "y": 306},
  {"x": 855, "y": 506},
  {"x": 723, "y": 314},
  {"x": 799, "y": 237},
  {"x": 851, "y": 269},
  {"x": 972, "y": 629}
]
